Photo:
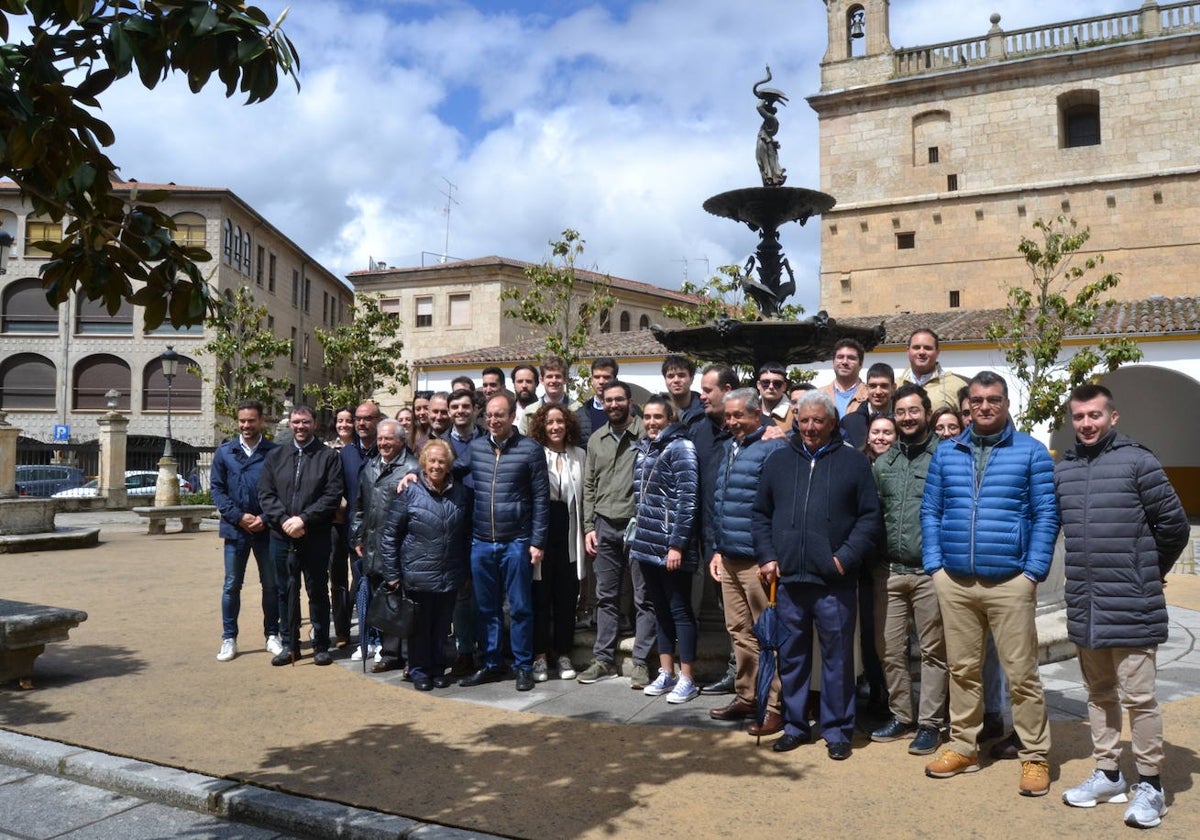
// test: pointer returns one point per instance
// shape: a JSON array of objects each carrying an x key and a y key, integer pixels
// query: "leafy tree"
[
  {"x": 51, "y": 139},
  {"x": 722, "y": 295},
  {"x": 245, "y": 352},
  {"x": 1054, "y": 306},
  {"x": 553, "y": 302},
  {"x": 363, "y": 356}
]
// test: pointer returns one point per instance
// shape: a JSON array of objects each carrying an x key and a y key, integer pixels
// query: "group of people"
[{"x": 882, "y": 513}]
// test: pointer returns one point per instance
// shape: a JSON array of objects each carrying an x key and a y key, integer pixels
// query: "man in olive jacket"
[
  {"x": 300, "y": 490},
  {"x": 1124, "y": 528},
  {"x": 903, "y": 592}
]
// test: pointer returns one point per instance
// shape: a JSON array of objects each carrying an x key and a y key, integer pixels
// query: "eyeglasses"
[
  {"x": 772, "y": 383},
  {"x": 910, "y": 412}
]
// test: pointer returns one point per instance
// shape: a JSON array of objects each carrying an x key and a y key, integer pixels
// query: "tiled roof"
[
  {"x": 591, "y": 276},
  {"x": 1156, "y": 315},
  {"x": 618, "y": 345}
]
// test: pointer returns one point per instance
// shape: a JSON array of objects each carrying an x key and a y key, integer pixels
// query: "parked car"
[
  {"x": 47, "y": 479},
  {"x": 137, "y": 483}
]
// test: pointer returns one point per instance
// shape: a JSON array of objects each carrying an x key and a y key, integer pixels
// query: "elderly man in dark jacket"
[
  {"x": 237, "y": 465},
  {"x": 511, "y": 515},
  {"x": 376, "y": 489},
  {"x": 1124, "y": 528},
  {"x": 816, "y": 518},
  {"x": 300, "y": 490}
]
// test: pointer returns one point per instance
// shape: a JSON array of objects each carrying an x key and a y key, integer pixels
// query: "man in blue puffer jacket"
[
  {"x": 815, "y": 520},
  {"x": 512, "y": 513},
  {"x": 989, "y": 519}
]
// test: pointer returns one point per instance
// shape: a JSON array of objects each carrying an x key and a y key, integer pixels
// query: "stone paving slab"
[{"x": 42, "y": 806}]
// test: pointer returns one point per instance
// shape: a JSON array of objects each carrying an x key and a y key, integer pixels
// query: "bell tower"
[{"x": 860, "y": 47}]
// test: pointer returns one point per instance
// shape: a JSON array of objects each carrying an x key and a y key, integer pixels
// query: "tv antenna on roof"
[{"x": 450, "y": 199}]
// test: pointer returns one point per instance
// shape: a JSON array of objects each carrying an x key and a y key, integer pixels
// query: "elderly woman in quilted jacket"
[{"x": 666, "y": 542}]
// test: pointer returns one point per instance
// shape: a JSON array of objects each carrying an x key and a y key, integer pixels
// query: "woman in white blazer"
[{"x": 556, "y": 581}]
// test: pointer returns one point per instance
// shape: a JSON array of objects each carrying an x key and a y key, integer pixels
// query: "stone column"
[
  {"x": 8, "y": 458},
  {"x": 1150, "y": 19},
  {"x": 113, "y": 436}
]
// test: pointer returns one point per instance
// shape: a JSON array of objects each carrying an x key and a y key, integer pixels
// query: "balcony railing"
[{"x": 998, "y": 45}]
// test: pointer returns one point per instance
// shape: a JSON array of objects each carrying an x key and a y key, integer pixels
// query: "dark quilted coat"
[
  {"x": 427, "y": 538},
  {"x": 737, "y": 486},
  {"x": 512, "y": 490},
  {"x": 1124, "y": 528},
  {"x": 996, "y": 529},
  {"x": 666, "y": 486}
]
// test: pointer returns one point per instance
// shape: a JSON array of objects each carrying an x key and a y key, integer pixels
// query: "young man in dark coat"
[
  {"x": 1124, "y": 528},
  {"x": 300, "y": 490}
]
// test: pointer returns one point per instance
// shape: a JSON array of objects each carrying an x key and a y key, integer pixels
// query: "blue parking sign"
[{"x": 62, "y": 433}]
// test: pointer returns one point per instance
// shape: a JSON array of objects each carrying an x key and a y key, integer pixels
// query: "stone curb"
[{"x": 220, "y": 797}]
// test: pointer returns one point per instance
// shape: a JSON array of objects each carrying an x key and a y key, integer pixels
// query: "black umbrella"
[
  {"x": 771, "y": 635},
  {"x": 293, "y": 597},
  {"x": 362, "y": 601}
]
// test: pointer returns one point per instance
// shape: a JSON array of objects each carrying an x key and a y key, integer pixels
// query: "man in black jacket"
[
  {"x": 299, "y": 491},
  {"x": 1123, "y": 527}
]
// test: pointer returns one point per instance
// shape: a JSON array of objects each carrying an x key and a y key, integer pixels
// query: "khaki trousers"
[
  {"x": 899, "y": 599},
  {"x": 745, "y": 599},
  {"x": 970, "y": 607},
  {"x": 1116, "y": 678}
]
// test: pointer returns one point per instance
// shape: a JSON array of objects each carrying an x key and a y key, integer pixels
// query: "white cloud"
[{"x": 617, "y": 123}]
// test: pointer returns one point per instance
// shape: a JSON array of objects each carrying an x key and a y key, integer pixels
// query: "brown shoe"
[
  {"x": 771, "y": 724},
  {"x": 1035, "y": 778},
  {"x": 736, "y": 710},
  {"x": 384, "y": 666},
  {"x": 951, "y": 763}
]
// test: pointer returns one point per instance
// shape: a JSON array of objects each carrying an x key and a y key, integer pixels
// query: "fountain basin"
[{"x": 769, "y": 207}]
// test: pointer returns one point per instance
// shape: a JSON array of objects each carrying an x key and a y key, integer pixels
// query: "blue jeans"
[
  {"x": 671, "y": 594},
  {"x": 237, "y": 554},
  {"x": 498, "y": 569}
]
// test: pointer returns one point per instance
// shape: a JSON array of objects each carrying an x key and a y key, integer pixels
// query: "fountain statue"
[{"x": 764, "y": 210}]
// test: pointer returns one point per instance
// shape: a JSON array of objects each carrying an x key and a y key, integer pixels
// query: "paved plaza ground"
[{"x": 139, "y": 679}]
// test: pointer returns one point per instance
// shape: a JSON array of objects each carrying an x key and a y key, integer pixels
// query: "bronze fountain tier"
[{"x": 764, "y": 209}]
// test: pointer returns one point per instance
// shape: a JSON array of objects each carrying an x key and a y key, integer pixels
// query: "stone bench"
[
  {"x": 189, "y": 515},
  {"x": 24, "y": 631}
]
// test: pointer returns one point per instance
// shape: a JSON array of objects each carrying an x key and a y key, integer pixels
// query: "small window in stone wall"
[
  {"x": 1079, "y": 119},
  {"x": 955, "y": 300},
  {"x": 424, "y": 311},
  {"x": 460, "y": 310},
  {"x": 951, "y": 183},
  {"x": 933, "y": 154},
  {"x": 906, "y": 241},
  {"x": 644, "y": 322},
  {"x": 624, "y": 321}
]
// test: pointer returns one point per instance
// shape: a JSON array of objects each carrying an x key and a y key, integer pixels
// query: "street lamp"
[
  {"x": 166, "y": 489},
  {"x": 6, "y": 243},
  {"x": 112, "y": 398},
  {"x": 170, "y": 366}
]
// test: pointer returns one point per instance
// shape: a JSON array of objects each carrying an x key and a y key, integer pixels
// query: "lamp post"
[
  {"x": 166, "y": 489},
  {"x": 6, "y": 243}
]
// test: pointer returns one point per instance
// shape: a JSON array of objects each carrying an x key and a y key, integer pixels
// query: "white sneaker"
[
  {"x": 684, "y": 691},
  {"x": 541, "y": 671},
  {"x": 566, "y": 671},
  {"x": 663, "y": 683},
  {"x": 228, "y": 650},
  {"x": 1097, "y": 788},
  {"x": 274, "y": 644},
  {"x": 377, "y": 652},
  {"x": 1148, "y": 808},
  {"x": 357, "y": 655}
]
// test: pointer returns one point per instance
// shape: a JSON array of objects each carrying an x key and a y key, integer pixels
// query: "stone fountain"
[{"x": 764, "y": 210}]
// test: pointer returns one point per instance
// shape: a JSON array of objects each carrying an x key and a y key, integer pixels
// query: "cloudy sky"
[{"x": 614, "y": 117}]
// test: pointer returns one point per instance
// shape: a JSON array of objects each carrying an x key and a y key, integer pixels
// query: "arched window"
[
  {"x": 644, "y": 322},
  {"x": 605, "y": 320},
  {"x": 41, "y": 229},
  {"x": 227, "y": 242},
  {"x": 190, "y": 230},
  {"x": 92, "y": 318},
  {"x": 237, "y": 247},
  {"x": 624, "y": 321},
  {"x": 94, "y": 377},
  {"x": 186, "y": 388},
  {"x": 25, "y": 309},
  {"x": 27, "y": 383},
  {"x": 246, "y": 247}
]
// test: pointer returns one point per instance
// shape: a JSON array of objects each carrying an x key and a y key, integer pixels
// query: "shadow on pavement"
[
  {"x": 489, "y": 781},
  {"x": 61, "y": 666}
]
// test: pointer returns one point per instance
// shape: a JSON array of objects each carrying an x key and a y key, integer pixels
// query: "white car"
[{"x": 137, "y": 483}]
